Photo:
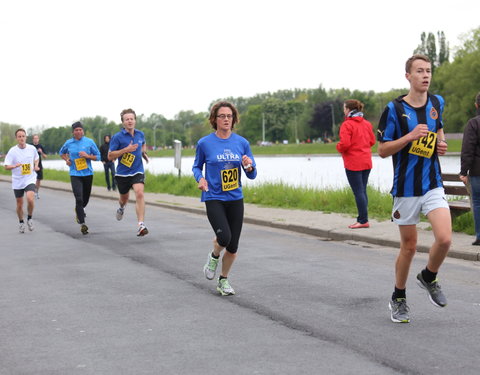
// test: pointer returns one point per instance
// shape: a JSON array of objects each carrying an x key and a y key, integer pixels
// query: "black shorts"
[
  {"x": 40, "y": 174},
  {"x": 19, "y": 192},
  {"x": 124, "y": 184}
]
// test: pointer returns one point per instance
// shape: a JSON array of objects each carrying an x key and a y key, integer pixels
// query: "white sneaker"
[
  {"x": 21, "y": 228},
  {"x": 210, "y": 267},
  {"x": 30, "y": 224},
  {"x": 142, "y": 230}
]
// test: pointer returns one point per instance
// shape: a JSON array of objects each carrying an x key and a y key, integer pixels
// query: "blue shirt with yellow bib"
[
  {"x": 130, "y": 163},
  {"x": 80, "y": 166},
  {"x": 223, "y": 165}
]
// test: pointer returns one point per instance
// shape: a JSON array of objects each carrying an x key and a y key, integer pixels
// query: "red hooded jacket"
[{"x": 356, "y": 141}]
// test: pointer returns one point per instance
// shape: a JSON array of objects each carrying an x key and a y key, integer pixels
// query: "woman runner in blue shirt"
[{"x": 224, "y": 155}]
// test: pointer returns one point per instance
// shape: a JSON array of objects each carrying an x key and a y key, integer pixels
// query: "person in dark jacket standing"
[
  {"x": 108, "y": 165},
  {"x": 356, "y": 141},
  {"x": 470, "y": 165}
]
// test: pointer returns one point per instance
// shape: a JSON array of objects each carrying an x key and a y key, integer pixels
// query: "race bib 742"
[{"x": 424, "y": 146}]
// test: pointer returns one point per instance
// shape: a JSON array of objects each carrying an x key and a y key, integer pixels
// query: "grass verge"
[{"x": 275, "y": 195}]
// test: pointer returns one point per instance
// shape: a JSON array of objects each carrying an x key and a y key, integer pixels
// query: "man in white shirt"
[{"x": 22, "y": 160}]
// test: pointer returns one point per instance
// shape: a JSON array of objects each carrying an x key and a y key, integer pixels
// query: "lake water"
[{"x": 321, "y": 172}]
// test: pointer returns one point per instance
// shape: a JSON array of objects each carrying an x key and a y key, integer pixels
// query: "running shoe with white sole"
[
  {"x": 30, "y": 224},
  {"x": 21, "y": 228},
  {"x": 224, "y": 287},
  {"x": 142, "y": 230},
  {"x": 120, "y": 211},
  {"x": 399, "y": 310},
  {"x": 210, "y": 267},
  {"x": 434, "y": 291}
]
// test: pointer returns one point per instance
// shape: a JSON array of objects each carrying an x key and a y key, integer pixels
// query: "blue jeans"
[
  {"x": 475, "y": 185},
  {"x": 109, "y": 168},
  {"x": 358, "y": 181}
]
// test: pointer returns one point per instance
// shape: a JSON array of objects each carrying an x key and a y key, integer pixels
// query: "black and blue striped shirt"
[{"x": 413, "y": 175}]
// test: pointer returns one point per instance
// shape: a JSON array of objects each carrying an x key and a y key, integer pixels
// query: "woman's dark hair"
[
  {"x": 352, "y": 104},
  {"x": 213, "y": 113}
]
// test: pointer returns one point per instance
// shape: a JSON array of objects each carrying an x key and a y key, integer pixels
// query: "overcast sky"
[{"x": 63, "y": 59}]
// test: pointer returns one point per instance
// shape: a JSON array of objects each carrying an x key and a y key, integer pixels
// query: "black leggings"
[
  {"x": 82, "y": 187},
  {"x": 226, "y": 219}
]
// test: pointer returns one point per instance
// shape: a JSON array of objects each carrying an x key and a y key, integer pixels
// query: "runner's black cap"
[{"x": 77, "y": 124}]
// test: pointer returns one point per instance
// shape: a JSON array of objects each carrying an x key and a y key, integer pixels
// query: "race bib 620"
[{"x": 229, "y": 179}]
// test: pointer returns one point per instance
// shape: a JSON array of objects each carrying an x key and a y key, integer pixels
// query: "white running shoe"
[
  {"x": 21, "y": 228},
  {"x": 30, "y": 224},
  {"x": 210, "y": 267},
  {"x": 142, "y": 230}
]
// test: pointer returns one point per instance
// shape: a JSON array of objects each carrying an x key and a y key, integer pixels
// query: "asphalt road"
[{"x": 112, "y": 303}]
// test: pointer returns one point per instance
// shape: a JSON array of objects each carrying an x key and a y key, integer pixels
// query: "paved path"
[
  {"x": 110, "y": 303},
  {"x": 331, "y": 225}
]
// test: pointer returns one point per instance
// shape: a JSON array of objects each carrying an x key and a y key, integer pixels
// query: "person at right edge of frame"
[
  {"x": 224, "y": 155},
  {"x": 470, "y": 165},
  {"x": 411, "y": 131}
]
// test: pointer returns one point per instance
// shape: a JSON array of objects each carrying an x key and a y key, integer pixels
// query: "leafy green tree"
[
  {"x": 54, "y": 138},
  {"x": 428, "y": 47},
  {"x": 459, "y": 83},
  {"x": 444, "y": 48},
  {"x": 7, "y": 133},
  {"x": 250, "y": 125}
]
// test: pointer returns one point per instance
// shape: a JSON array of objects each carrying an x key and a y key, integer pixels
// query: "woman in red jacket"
[{"x": 356, "y": 141}]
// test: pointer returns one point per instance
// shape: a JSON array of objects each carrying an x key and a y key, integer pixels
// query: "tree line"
[{"x": 298, "y": 115}]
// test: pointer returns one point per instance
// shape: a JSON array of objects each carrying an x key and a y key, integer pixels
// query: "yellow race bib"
[
  {"x": 127, "y": 159},
  {"x": 229, "y": 179},
  {"x": 26, "y": 169},
  {"x": 424, "y": 146},
  {"x": 81, "y": 164}
]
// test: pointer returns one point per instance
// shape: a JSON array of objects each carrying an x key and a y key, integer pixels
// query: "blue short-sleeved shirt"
[
  {"x": 80, "y": 166},
  {"x": 128, "y": 164}
]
